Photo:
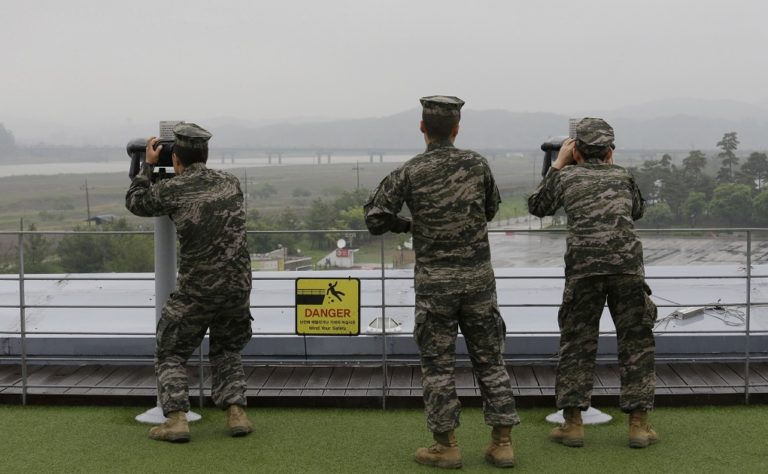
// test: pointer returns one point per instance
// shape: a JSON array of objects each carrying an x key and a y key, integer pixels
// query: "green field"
[
  {"x": 59, "y": 203},
  {"x": 102, "y": 440}
]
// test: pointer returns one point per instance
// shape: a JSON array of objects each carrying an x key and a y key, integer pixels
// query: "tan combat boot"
[
  {"x": 500, "y": 452},
  {"x": 175, "y": 429},
  {"x": 571, "y": 432},
  {"x": 237, "y": 421},
  {"x": 444, "y": 453},
  {"x": 641, "y": 434}
]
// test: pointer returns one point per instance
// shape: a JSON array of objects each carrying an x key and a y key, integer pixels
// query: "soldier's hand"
[
  {"x": 565, "y": 156},
  {"x": 152, "y": 155},
  {"x": 401, "y": 225}
]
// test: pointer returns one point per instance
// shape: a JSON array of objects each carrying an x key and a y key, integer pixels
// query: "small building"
[{"x": 102, "y": 219}]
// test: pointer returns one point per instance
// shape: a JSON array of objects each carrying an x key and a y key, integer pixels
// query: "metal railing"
[{"x": 385, "y": 275}]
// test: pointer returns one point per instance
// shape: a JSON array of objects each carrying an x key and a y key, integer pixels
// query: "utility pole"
[
  {"x": 357, "y": 172},
  {"x": 244, "y": 183},
  {"x": 87, "y": 201}
]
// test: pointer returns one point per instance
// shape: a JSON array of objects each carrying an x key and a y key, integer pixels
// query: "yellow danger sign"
[{"x": 328, "y": 306}]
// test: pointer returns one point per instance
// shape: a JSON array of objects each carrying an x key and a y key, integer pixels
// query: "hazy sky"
[{"x": 89, "y": 62}]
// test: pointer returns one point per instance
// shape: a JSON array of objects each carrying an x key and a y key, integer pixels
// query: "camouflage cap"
[
  {"x": 191, "y": 135},
  {"x": 594, "y": 132},
  {"x": 442, "y": 105}
]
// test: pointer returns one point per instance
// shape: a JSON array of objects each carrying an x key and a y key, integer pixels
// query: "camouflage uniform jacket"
[
  {"x": 451, "y": 195},
  {"x": 207, "y": 207},
  {"x": 601, "y": 201}
]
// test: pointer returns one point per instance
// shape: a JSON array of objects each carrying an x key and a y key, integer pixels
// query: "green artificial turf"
[{"x": 100, "y": 440}]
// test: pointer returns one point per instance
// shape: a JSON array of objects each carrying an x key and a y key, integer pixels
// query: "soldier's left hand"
[{"x": 565, "y": 156}]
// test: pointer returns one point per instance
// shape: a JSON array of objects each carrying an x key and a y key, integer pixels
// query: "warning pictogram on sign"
[{"x": 328, "y": 306}]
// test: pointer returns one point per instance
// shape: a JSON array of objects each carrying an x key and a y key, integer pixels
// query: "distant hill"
[
  {"x": 683, "y": 132},
  {"x": 701, "y": 108},
  {"x": 674, "y": 124},
  {"x": 507, "y": 130},
  {"x": 395, "y": 131}
]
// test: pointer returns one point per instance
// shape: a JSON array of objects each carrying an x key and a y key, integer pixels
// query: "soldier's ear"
[
  {"x": 609, "y": 156},
  {"x": 176, "y": 162},
  {"x": 422, "y": 128},
  {"x": 455, "y": 131},
  {"x": 577, "y": 156}
]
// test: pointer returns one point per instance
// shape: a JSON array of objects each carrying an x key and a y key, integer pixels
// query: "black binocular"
[
  {"x": 137, "y": 150},
  {"x": 551, "y": 148}
]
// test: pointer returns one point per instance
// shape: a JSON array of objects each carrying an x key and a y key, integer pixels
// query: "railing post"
[
  {"x": 201, "y": 373},
  {"x": 383, "y": 330},
  {"x": 22, "y": 317},
  {"x": 747, "y": 346}
]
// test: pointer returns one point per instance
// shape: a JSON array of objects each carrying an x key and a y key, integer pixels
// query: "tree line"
[
  {"x": 7, "y": 142},
  {"x": 82, "y": 252},
  {"x": 344, "y": 212},
  {"x": 688, "y": 196}
]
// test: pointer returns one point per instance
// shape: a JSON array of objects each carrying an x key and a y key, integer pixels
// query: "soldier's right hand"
[
  {"x": 401, "y": 225},
  {"x": 152, "y": 155}
]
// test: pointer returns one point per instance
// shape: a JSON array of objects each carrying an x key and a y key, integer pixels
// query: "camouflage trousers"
[
  {"x": 437, "y": 319},
  {"x": 633, "y": 314},
  {"x": 181, "y": 329}
]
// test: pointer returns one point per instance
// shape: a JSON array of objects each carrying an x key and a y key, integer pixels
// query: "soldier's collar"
[
  {"x": 439, "y": 144},
  {"x": 594, "y": 161},
  {"x": 195, "y": 167}
]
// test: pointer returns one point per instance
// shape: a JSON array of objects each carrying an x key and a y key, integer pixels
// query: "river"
[{"x": 48, "y": 169}]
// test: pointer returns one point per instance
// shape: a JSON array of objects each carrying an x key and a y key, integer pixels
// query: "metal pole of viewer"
[{"x": 165, "y": 281}]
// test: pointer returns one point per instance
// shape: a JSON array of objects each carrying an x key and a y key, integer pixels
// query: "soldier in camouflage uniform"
[
  {"x": 603, "y": 260},
  {"x": 214, "y": 280},
  {"x": 451, "y": 195}
]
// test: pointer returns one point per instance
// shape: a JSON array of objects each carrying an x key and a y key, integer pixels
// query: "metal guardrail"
[{"x": 25, "y": 358}]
